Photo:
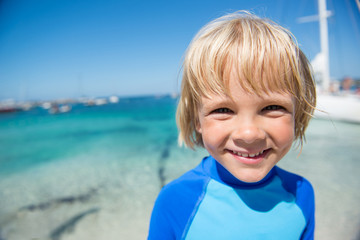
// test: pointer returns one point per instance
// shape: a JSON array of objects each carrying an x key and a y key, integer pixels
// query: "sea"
[{"x": 94, "y": 172}]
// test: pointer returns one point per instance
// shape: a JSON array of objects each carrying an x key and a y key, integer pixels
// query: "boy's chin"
[{"x": 252, "y": 176}]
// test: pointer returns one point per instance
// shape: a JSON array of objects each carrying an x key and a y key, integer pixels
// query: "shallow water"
[{"x": 94, "y": 173}]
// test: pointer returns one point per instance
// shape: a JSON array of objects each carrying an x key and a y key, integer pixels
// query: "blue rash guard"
[{"x": 209, "y": 203}]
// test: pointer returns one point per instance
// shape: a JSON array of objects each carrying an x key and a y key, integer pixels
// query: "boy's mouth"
[{"x": 250, "y": 155}]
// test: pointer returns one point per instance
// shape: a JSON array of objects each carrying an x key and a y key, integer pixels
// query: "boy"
[{"x": 247, "y": 94}]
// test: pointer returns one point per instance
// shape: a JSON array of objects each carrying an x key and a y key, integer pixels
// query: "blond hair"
[{"x": 266, "y": 57}]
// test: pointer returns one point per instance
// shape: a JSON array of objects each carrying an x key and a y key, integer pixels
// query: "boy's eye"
[
  {"x": 222, "y": 110},
  {"x": 273, "y": 108}
]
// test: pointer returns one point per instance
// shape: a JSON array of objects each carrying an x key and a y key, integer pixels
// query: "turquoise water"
[
  {"x": 29, "y": 139},
  {"x": 94, "y": 172}
]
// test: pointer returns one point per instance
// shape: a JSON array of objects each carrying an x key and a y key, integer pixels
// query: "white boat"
[
  {"x": 344, "y": 107},
  {"x": 113, "y": 99},
  {"x": 100, "y": 101},
  {"x": 56, "y": 109}
]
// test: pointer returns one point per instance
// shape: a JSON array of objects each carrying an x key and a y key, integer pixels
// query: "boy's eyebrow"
[
  {"x": 212, "y": 102},
  {"x": 281, "y": 100}
]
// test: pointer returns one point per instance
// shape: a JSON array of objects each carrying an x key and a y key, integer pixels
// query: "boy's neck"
[{"x": 219, "y": 173}]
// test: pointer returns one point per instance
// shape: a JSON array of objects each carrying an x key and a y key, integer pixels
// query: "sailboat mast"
[{"x": 324, "y": 43}]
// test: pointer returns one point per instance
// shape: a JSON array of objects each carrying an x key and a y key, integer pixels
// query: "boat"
[
  {"x": 9, "y": 106},
  {"x": 8, "y": 109},
  {"x": 100, "y": 101},
  {"x": 56, "y": 109},
  {"x": 113, "y": 99},
  {"x": 344, "y": 107},
  {"x": 332, "y": 104}
]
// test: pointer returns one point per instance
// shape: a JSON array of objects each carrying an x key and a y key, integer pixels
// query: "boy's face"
[{"x": 247, "y": 134}]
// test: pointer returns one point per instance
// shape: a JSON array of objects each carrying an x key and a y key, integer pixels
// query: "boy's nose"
[{"x": 248, "y": 132}]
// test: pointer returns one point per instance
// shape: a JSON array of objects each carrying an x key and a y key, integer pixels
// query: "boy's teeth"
[{"x": 248, "y": 155}]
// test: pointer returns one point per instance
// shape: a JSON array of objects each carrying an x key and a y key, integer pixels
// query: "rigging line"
[
  {"x": 334, "y": 37},
  {"x": 353, "y": 20}
]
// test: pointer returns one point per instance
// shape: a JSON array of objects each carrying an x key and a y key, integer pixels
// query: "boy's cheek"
[{"x": 284, "y": 136}]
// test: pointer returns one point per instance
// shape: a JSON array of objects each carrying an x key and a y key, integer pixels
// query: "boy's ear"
[{"x": 198, "y": 126}]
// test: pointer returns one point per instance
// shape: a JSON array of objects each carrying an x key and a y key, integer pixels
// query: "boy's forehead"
[
  {"x": 256, "y": 73},
  {"x": 235, "y": 90},
  {"x": 254, "y": 77}
]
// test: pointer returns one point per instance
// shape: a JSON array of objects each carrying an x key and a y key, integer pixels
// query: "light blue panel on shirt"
[{"x": 268, "y": 212}]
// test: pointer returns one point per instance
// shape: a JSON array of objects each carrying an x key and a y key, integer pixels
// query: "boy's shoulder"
[
  {"x": 192, "y": 181},
  {"x": 176, "y": 202},
  {"x": 293, "y": 182},
  {"x": 303, "y": 191},
  {"x": 301, "y": 188}
]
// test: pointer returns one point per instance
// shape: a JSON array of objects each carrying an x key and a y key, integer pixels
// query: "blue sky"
[{"x": 69, "y": 48}]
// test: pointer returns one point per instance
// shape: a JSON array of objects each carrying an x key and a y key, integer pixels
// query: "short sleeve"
[
  {"x": 160, "y": 223},
  {"x": 175, "y": 206},
  {"x": 306, "y": 201}
]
